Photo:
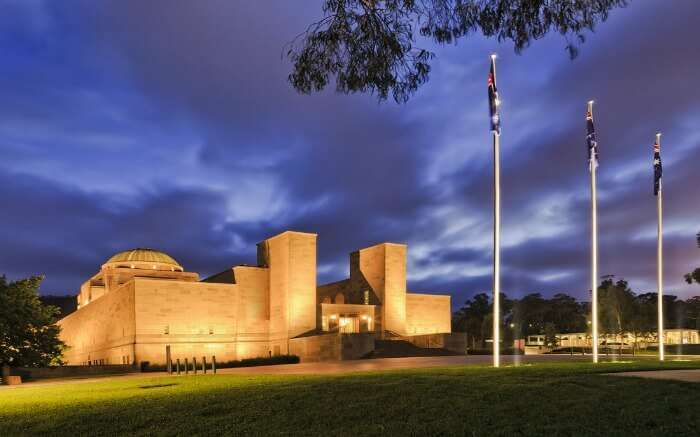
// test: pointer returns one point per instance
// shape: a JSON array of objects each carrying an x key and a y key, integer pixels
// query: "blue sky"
[{"x": 171, "y": 125}]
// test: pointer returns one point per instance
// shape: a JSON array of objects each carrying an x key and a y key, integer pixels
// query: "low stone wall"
[
  {"x": 355, "y": 346},
  {"x": 331, "y": 347},
  {"x": 537, "y": 350},
  {"x": 454, "y": 341},
  {"x": 30, "y": 373}
]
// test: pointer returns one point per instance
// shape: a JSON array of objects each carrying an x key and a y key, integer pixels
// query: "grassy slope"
[{"x": 543, "y": 399}]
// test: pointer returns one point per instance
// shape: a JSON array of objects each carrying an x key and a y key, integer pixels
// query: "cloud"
[{"x": 149, "y": 123}]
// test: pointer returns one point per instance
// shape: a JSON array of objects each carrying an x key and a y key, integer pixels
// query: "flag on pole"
[
  {"x": 657, "y": 167},
  {"x": 493, "y": 98},
  {"x": 590, "y": 138}
]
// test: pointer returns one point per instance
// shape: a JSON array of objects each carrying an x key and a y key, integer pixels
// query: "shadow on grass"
[{"x": 157, "y": 385}]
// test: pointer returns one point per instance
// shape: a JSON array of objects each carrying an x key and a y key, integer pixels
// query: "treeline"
[{"x": 620, "y": 310}]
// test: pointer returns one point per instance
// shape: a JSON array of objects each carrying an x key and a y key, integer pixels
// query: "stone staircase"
[{"x": 395, "y": 348}]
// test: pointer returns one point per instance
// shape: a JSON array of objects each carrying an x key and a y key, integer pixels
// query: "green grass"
[{"x": 567, "y": 398}]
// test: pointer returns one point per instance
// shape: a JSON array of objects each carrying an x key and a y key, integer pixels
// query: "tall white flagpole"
[
  {"x": 660, "y": 262},
  {"x": 496, "y": 222},
  {"x": 594, "y": 248},
  {"x": 496, "y": 250}
]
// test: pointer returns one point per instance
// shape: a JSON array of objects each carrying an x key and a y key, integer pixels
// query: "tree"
[
  {"x": 471, "y": 317},
  {"x": 28, "y": 330},
  {"x": 66, "y": 304},
  {"x": 616, "y": 306},
  {"x": 550, "y": 335},
  {"x": 530, "y": 314},
  {"x": 476, "y": 318},
  {"x": 692, "y": 315},
  {"x": 694, "y": 276},
  {"x": 644, "y": 316},
  {"x": 370, "y": 45},
  {"x": 567, "y": 314}
]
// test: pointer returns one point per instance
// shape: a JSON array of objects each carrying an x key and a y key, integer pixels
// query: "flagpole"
[
  {"x": 594, "y": 250},
  {"x": 496, "y": 130},
  {"x": 660, "y": 262},
  {"x": 496, "y": 250}
]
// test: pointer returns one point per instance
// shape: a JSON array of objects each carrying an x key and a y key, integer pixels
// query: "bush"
[
  {"x": 259, "y": 361},
  {"x": 567, "y": 350},
  {"x": 246, "y": 362},
  {"x": 505, "y": 351}
]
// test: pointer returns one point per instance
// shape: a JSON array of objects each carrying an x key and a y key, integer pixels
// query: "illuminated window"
[{"x": 366, "y": 297}]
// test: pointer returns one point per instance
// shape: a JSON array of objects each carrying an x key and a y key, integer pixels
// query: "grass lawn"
[{"x": 566, "y": 398}]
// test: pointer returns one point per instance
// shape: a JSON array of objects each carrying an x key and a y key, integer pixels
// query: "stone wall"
[
  {"x": 195, "y": 318},
  {"x": 427, "y": 313},
  {"x": 31, "y": 373},
  {"x": 103, "y": 330},
  {"x": 456, "y": 341},
  {"x": 382, "y": 268},
  {"x": 331, "y": 347},
  {"x": 291, "y": 258}
]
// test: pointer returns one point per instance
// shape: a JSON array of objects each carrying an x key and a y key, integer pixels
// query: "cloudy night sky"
[{"x": 172, "y": 125}]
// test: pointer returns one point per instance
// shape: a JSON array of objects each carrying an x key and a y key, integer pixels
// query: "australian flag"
[
  {"x": 590, "y": 138},
  {"x": 493, "y": 98},
  {"x": 657, "y": 168}
]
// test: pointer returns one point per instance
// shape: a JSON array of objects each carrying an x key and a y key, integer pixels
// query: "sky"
[{"x": 172, "y": 125}]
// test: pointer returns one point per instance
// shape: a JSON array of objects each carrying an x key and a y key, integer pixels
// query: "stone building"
[{"x": 142, "y": 305}]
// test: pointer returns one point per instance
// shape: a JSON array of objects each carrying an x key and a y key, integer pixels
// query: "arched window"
[{"x": 339, "y": 298}]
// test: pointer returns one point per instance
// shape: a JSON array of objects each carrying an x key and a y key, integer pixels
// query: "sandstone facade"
[{"x": 142, "y": 305}]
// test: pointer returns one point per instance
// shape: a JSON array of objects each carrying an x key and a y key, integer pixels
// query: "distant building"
[
  {"x": 534, "y": 344},
  {"x": 143, "y": 306}
]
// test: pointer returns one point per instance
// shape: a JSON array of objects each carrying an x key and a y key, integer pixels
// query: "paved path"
[
  {"x": 390, "y": 364},
  {"x": 676, "y": 375},
  {"x": 349, "y": 367},
  {"x": 325, "y": 368}
]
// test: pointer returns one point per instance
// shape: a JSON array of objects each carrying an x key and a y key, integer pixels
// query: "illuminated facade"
[
  {"x": 535, "y": 344},
  {"x": 143, "y": 305}
]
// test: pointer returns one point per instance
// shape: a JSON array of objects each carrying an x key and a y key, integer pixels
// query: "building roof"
[{"x": 143, "y": 255}]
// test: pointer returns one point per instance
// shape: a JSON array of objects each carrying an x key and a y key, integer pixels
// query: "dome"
[{"x": 143, "y": 258}]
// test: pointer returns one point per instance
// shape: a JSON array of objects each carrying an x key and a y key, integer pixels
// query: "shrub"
[{"x": 246, "y": 362}]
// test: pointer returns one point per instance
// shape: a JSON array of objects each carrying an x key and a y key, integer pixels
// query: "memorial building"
[{"x": 142, "y": 305}]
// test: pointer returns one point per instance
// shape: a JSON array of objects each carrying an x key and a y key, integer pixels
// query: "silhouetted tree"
[
  {"x": 530, "y": 314},
  {"x": 28, "y": 330},
  {"x": 476, "y": 319},
  {"x": 692, "y": 315},
  {"x": 620, "y": 311},
  {"x": 550, "y": 335},
  {"x": 470, "y": 319},
  {"x": 616, "y": 306},
  {"x": 66, "y": 304},
  {"x": 694, "y": 276},
  {"x": 567, "y": 314},
  {"x": 370, "y": 45}
]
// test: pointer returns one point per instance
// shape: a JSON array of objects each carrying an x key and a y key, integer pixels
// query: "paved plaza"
[{"x": 675, "y": 375}]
